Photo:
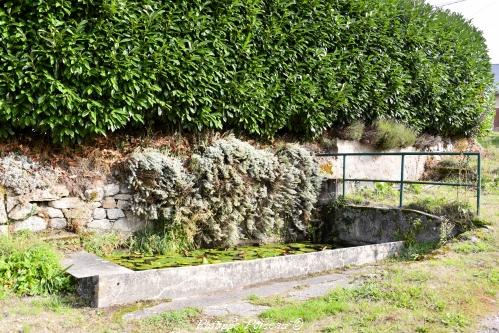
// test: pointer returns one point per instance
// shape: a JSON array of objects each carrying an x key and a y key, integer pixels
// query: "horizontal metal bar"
[
  {"x": 408, "y": 182},
  {"x": 409, "y": 153}
]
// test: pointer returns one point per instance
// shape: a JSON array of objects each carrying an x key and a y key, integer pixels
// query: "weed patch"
[{"x": 30, "y": 267}]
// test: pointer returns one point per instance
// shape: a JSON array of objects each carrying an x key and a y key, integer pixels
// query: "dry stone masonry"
[{"x": 32, "y": 198}]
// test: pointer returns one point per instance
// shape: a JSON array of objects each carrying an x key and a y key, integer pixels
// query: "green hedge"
[{"x": 74, "y": 68}]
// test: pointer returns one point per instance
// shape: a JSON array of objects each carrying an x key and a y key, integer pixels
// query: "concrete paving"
[
  {"x": 235, "y": 302},
  {"x": 490, "y": 325}
]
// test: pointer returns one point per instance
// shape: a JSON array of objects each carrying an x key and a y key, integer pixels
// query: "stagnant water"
[{"x": 139, "y": 262}]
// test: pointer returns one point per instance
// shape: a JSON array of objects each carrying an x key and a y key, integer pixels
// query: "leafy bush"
[
  {"x": 30, "y": 267},
  {"x": 71, "y": 69},
  {"x": 232, "y": 192},
  {"x": 390, "y": 134}
]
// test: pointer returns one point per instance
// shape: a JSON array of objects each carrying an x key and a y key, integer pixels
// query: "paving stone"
[
  {"x": 33, "y": 223},
  {"x": 111, "y": 189},
  {"x": 109, "y": 202},
  {"x": 235, "y": 302},
  {"x": 239, "y": 308},
  {"x": 66, "y": 203}
]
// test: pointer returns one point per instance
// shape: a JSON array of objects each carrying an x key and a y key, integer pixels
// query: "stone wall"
[
  {"x": 361, "y": 225},
  {"x": 32, "y": 198}
]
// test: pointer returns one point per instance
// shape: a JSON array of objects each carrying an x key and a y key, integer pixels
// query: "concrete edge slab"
[{"x": 122, "y": 287}]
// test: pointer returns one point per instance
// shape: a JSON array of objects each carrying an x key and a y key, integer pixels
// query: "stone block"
[
  {"x": 128, "y": 225},
  {"x": 123, "y": 197},
  {"x": 115, "y": 213},
  {"x": 66, "y": 203},
  {"x": 99, "y": 213},
  {"x": 123, "y": 204},
  {"x": 94, "y": 194},
  {"x": 3, "y": 212},
  {"x": 94, "y": 204},
  {"x": 109, "y": 202},
  {"x": 58, "y": 223},
  {"x": 78, "y": 213},
  {"x": 33, "y": 223},
  {"x": 23, "y": 211},
  {"x": 11, "y": 202},
  {"x": 49, "y": 194},
  {"x": 103, "y": 224},
  {"x": 111, "y": 189},
  {"x": 54, "y": 212},
  {"x": 360, "y": 225}
]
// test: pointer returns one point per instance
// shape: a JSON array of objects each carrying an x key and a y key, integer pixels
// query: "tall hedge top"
[{"x": 75, "y": 68}]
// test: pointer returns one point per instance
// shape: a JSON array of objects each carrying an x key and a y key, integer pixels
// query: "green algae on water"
[{"x": 139, "y": 262}]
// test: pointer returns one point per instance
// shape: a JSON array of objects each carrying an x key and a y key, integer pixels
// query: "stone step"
[{"x": 82, "y": 265}]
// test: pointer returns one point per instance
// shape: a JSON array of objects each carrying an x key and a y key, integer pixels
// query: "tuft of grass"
[
  {"x": 414, "y": 251},
  {"x": 389, "y": 134},
  {"x": 456, "y": 211},
  {"x": 102, "y": 244},
  {"x": 275, "y": 300},
  {"x": 174, "y": 319},
  {"x": 354, "y": 131}
]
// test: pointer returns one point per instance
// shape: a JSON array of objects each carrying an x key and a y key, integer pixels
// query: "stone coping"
[{"x": 106, "y": 284}]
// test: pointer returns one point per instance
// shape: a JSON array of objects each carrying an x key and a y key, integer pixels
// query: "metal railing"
[{"x": 402, "y": 181}]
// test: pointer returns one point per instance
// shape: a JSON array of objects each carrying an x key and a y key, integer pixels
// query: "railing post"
[
  {"x": 401, "y": 199},
  {"x": 478, "y": 185},
  {"x": 344, "y": 173}
]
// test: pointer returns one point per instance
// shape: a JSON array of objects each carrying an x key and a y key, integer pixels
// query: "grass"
[
  {"x": 390, "y": 134},
  {"x": 354, "y": 131},
  {"x": 173, "y": 319}
]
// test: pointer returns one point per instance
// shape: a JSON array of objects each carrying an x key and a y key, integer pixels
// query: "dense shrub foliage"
[
  {"x": 230, "y": 191},
  {"x": 73, "y": 68},
  {"x": 30, "y": 267}
]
